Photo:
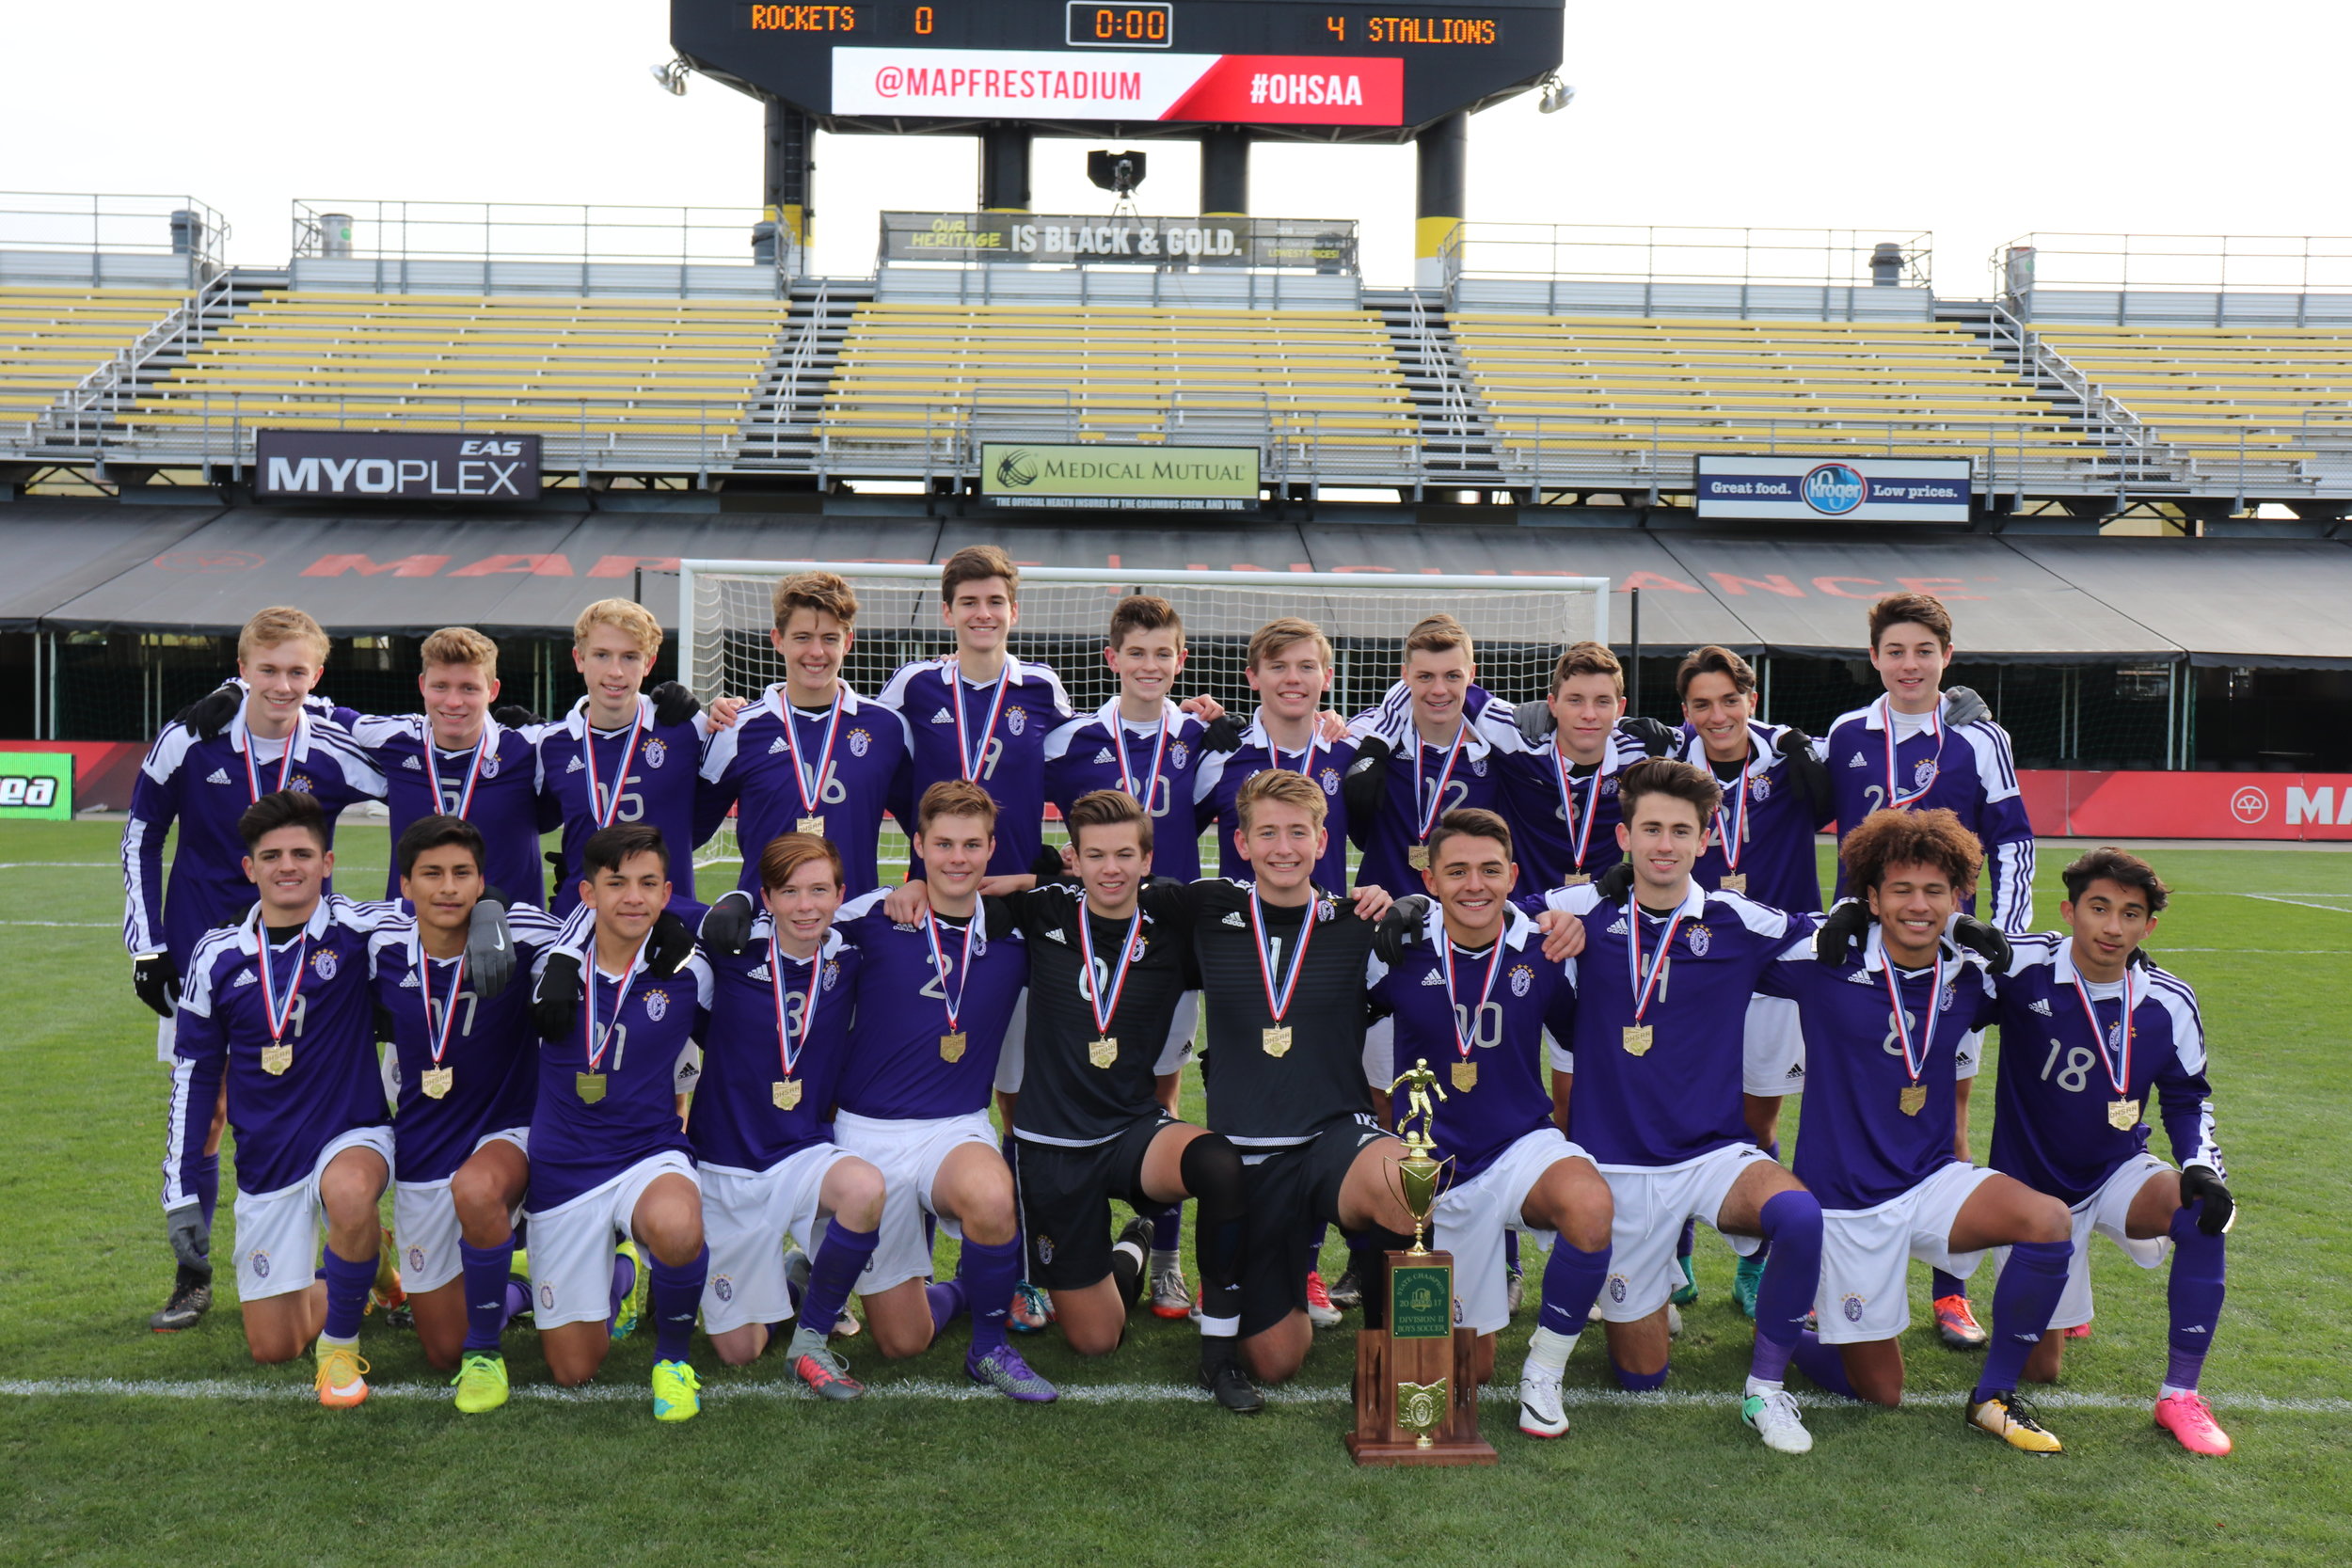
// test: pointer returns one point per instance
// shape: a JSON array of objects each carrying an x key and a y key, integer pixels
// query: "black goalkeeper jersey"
[{"x": 1262, "y": 1095}]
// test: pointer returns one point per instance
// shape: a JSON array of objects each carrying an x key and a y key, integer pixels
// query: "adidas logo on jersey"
[
  {"x": 1855, "y": 761},
  {"x": 1103, "y": 757},
  {"x": 942, "y": 717},
  {"x": 1432, "y": 978},
  {"x": 409, "y": 981},
  {"x": 219, "y": 775},
  {"x": 577, "y": 766},
  {"x": 2041, "y": 1005},
  {"x": 412, "y": 765},
  {"x": 1860, "y": 977},
  {"x": 762, "y": 973},
  {"x": 1232, "y": 917},
  {"x": 776, "y": 746},
  {"x": 1617, "y": 929},
  {"x": 243, "y": 979},
  {"x": 1055, "y": 935}
]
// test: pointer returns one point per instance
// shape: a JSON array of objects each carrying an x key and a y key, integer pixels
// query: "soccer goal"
[{"x": 1519, "y": 625}]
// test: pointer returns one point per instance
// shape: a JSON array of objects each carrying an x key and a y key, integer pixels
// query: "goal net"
[{"x": 1519, "y": 625}]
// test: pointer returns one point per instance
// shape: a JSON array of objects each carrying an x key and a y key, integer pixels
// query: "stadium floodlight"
[
  {"x": 1557, "y": 95},
  {"x": 672, "y": 76}
]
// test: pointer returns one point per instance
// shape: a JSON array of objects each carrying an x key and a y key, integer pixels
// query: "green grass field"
[{"x": 121, "y": 1446}]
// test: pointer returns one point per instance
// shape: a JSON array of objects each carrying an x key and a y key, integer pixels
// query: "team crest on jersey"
[
  {"x": 259, "y": 1260},
  {"x": 1760, "y": 788},
  {"x": 1330, "y": 777},
  {"x": 302, "y": 782},
  {"x": 1325, "y": 910},
  {"x": 860, "y": 743},
  {"x": 1609, "y": 786},
  {"x": 1700, "y": 939},
  {"x": 1135, "y": 949},
  {"x": 833, "y": 972},
  {"x": 1177, "y": 754},
  {"x": 1852, "y": 1305},
  {"x": 1616, "y": 1288},
  {"x": 657, "y": 751},
  {"x": 1944, "y": 1002},
  {"x": 724, "y": 1287},
  {"x": 547, "y": 1297},
  {"x": 416, "y": 1259},
  {"x": 1017, "y": 720},
  {"x": 1522, "y": 978},
  {"x": 1044, "y": 1245},
  {"x": 657, "y": 1004},
  {"x": 323, "y": 964},
  {"x": 1478, "y": 766},
  {"x": 489, "y": 766},
  {"x": 1923, "y": 773}
]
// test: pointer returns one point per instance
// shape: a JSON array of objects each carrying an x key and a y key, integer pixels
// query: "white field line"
[
  {"x": 69, "y": 925},
  {"x": 1113, "y": 1393},
  {"x": 2300, "y": 903},
  {"x": 70, "y": 865}
]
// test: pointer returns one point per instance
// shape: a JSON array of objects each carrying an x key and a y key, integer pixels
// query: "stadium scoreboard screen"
[{"x": 1288, "y": 67}]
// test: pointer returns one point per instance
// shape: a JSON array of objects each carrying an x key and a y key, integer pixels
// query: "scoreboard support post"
[
  {"x": 1444, "y": 169},
  {"x": 790, "y": 174},
  {"x": 1224, "y": 173},
  {"x": 1005, "y": 168}
]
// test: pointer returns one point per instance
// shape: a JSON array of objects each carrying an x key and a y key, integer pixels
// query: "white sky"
[{"x": 1976, "y": 121}]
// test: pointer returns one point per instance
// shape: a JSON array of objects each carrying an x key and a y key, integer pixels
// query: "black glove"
[
  {"x": 673, "y": 943},
  {"x": 1793, "y": 743},
  {"x": 489, "y": 950},
  {"x": 1049, "y": 865},
  {"x": 383, "y": 1024},
  {"x": 1805, "y": 769},
  {"x": 673, "y": 704},
  {"x": 1616, "y": 882},
  {"x": 514, "y": 715},
  {"x": 1657, "y": 736},
  {"x": 1983, "y": 938},
  {"x": 1222, "y": 735},
  {"x": 1399, "y": 930},
  {"x": 1366, "y": 787},
  {"x": 2202, "y": 1186},
  {"x": 729, "y": 926},
  {"x": 192, "y": 1239},
  {"x": 1849, "y": 918},
  {"x": 156, "y": 978},
  {"x": 555, "y": 998},
  {"x": 1535, "y": 719},
  {"x": 210, "y": 714},
  {"x": 1964, "y": 706}
]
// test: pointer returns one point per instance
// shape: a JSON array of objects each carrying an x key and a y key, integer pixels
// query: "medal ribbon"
[
  {"x": 1897, "y": 796},
  {"x": 285, "y": 760},
  {"x": 1279, "y": 1002},
  {"x": 1118, "y": 750},
  {"x": 787, "y": 1051},
  {"x": 436, "y": 1037},
  {"x": 474, "y": 769},
  {"x": 1734, "y": 832},
  {"x": 598, "y": 1048},
  {"x": 1103, "y": 1014},
  {"x": 1645, "y": 981},
  {"x": 1486, "y": 991},
  {"x": 1579, "y": 827},
  {"x": 1426, "y": 816},
  {"x": 812, "y": 796},
  {"x": 965, "y": 759},
  {"x": 2118, "y": 1074},
  {"x": 601, "y": 808},
  {"x": 939, "y": 962},
  {"x": 274, "y": 1014},
  {"x": 1914, "y": 1063}
]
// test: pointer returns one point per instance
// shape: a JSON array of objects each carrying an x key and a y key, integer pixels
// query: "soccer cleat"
[
  {"x": 1348, "y": 1292},
  {"x": 480, "y": 1382},
  {"x": 1320, "y": 1312},
  {"x": 342, "y": 1376},
  {"x": 846, "y": 1326},
  {"x": 386, "y": 1292},
  {"x": 2080, "y": 1331},
  {"x": 1032, "y": 1310},
  {"x": 2009, "y": 1416},
  {"x": 1513, "y": 1291},
  {"x": 191, "y": 1298},
  {"x": 632, "y": 1310},
  {"x": 1172, "y": 1298},
  {"x": 1673, "y": 1321},
  {"x": 1686, "y": 1293},
  {"x": 677, "y": 1392},
  {"x": 1775, "y": 1419},
  {"x": 1003, "y": 1370},
  {"x": 1540, "y": 1411},
  {"x": 824, "y": 1373},
  {"x": 1230, "y": 1387},
  {"x": 2189, "y": 1417},
  {"x": 1958, "y": 1324},
  {"x": 1746, "y": 1280}
]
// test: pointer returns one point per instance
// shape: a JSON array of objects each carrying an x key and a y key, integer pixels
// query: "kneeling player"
[
  {"x": 277, "y": 1007},
  {"x": 1475, "y": 994},
  {"x": 609, "y": 1159},
  {"x": 1882, "y": 1030},
  {"x": 774, "y": 1049},
  {"x": 2116, "y": 1028}
]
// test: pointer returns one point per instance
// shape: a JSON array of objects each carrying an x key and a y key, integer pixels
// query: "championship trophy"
[{"x": 1416, "y": 1387}]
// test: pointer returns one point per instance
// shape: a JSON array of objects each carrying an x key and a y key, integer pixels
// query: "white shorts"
[
  {"x": 1652, "y": 1201},
  {"x": 1013, "y": 1057},
  {"x": 2103, "y": 1212},
  {"x": 1558, "y": 1057},
  {"x": 278, "y": 1233},
  {"x": 1866, "y": 1253},
  {"x": 425, "y": 1231},
  {"x": 747, "y": 1215},
  {"x": 1471, "y": 1217},
  {"x": 1379, "y": 1051},
  {"x": 166, "y": 1034},
  {"x": 908, "y": 1154},
  {"x": 571, "y": 1244},
  {"x": 1969, "y": 1057},
  {"x": 1772, "y": 1051}
]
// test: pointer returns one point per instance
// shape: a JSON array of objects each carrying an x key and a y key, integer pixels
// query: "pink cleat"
[
  {"x": 2189, "y": 1417},
  {"x": 2080, "y": 1331}
]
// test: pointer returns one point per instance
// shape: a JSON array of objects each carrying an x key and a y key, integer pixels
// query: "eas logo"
[
  {"x": 490, "y": 449},
  {"x": 2249, "y": 805},
  {"x": 18, "y": 790},
  {"x": 1834, "y": 489}
]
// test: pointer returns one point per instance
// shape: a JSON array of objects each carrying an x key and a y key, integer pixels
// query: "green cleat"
[
  {"x": 1745, "y": 1283},
  {"x": 1686, "y": 1293},
  {"x": 480, "y": 1382},
  {"x": 677, "y": 1392},
  {"x": 632, "y": 1310}
]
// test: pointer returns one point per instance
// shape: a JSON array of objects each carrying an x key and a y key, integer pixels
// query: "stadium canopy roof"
[{"x": 2018, "y": 597}]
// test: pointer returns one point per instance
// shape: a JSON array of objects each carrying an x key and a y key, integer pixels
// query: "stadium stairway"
[
  {"x": 781, "y": 426},
  {"x": 84, "y": 421},
  {"x": 1457, "y": 436}
]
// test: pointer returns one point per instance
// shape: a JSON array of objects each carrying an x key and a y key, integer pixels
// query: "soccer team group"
[{"x": 1597, "y": 943}]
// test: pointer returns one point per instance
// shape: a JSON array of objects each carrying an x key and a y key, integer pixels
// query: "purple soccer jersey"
[
  {"x": 642, "y": 772},
  {"x": 780, "y": 765},
  {"x": 1324, "y": 763},
  {"x": 936, "y": 997},
  {"x": 1425, "y": 781},
  {"x": 762, "y": 1095},
  {"x": 1771, "y": 836},
  {"x": 1563, "y": 816},
  {"x": 1925, "y": 764},
  {"x": 993, "y": 732},
  {"x": 493, "y": 785},
  {"x": 1104, "y": 752}
]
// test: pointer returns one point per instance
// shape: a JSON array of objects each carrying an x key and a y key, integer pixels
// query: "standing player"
[
  {"x": 1474, "y": 995},
  {"x": 2117, "y": 1027},
  {"x": 1882, "y": 1030},
  {"x": 773, "y": 1047},
  {"x": 1290, "y": 669},
  {"x": 206, "y": 785},
  {"x": 278, "y": 1012},
  {"x": 1560, "y": 798},
  {"x": 1918, "y": 748},
  {"x": 608, "y": 1156},
  {"x": 938, "y": 993},
  {"x": 468, "y": 1066},
  {"x": 1393, "y": 803}
]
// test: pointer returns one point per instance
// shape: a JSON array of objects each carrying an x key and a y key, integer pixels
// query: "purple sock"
[
  {"x": 2023, "y": 1299},
  {"x": 2194, "y": 1294},
  {"x": 841, "y": 1256},
  {"x": 990, "y": 1274},
  {"x": 1941, "y": 1285},
  {"x": 347, "y": 1282},
  {"x": 1638, "y": 1383},
  {"x": 624, "y": 1281},
  {"x": 947, "y": 1302},
  {"x": 1823, "y": 1365},
  {"x": 677, "y": 1296},
  {"x": 1572, "y": 1282},
  {"x": 1687, "y": 1240},
  {"x": 207, "y": 1188},
  {"x": 1167, "y": 1230},
  {"x": 1511, "y": 1251},
  {"x": 1791, "y": 1223},
  {"x": 517, "y": 1300},
  {"x": 488, "y": 1271}
]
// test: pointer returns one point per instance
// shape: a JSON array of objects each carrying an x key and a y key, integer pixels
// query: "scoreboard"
[{"x": 1300, "y": 68}]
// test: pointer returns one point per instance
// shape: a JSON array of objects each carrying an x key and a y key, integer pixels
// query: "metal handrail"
[
  {"x": 117, "y": 223},
  {"x": 1681, "y": 254},
  {"x": 396, "y": 233}
]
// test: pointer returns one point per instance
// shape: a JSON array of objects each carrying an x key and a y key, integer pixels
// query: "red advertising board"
[
  {"x": 104, "y": 771},
  {"x": 2190, "y": 805}
]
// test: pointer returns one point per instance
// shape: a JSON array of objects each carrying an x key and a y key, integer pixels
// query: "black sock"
[
  {"x": 1372, "y": 1270},
  {"x": 1211, "y": 1170},
  {"x": 1127, "y": 1266}
]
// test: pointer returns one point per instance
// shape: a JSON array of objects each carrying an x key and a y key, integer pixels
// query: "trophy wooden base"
[{"x": 1391, "y": 1424}]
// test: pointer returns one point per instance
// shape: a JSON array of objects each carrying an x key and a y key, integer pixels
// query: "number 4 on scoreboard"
[{"x": 1338, "y": 25}]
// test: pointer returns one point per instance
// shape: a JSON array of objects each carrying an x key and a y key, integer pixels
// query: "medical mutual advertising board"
[
  {"x": 1840, "y": 489},
  {"x": 1153, "y": 479}
]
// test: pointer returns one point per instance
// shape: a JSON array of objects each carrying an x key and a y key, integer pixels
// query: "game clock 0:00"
[{"x": 1098, "y": 24}]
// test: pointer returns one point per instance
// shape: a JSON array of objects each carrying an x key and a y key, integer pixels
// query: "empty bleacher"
[
  {"x": 52, "y": 337},
  {"x": 2280, "y": 393}
]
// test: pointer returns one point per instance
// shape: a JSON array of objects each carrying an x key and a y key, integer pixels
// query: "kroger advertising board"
[{"x": 1862, "y": 490}]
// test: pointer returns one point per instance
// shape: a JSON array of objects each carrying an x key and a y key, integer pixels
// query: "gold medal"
[
  {"x": 1913, "y": 1100},
  {"x": 2122, "y": 1115},
  {"x": 590, "y": 1086},
  {"x": 1574, "y": 878},
  {"x": 1103, "y": 1053},
  {"x": 1466, "y": 1076},
  {"x": 1276, "y": 1039},
  {"x": 1418, "y": 857},
  {"x": 436, "y": 1081},
  {"x": 1734, "y": 881},
  {"x": 276, "y": 1059},
  {"x": 951, "y": 1046},
  {"x": 810, "y": 825},
  {"x": 1638, "y": 1039},
  {"x": 786, "y": 1092}
]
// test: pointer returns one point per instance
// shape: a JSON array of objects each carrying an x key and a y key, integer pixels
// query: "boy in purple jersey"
[
  {"x": 1663, "y": 983},
  {"x": 775, "y": 1044},
  {"x": 466, "y": 1063},
  {"x": 622, "y": 755},
  {"x": 1883, "y": 1032},
  {"x": 608, "y": 1157},
  {"x": 1918, "y": 748},
  {"x": 938, "y": 993},
  {"x": 277, "y": 1011},
  {"x": 810, "y": 756},
  {"x": 1420, "y": 759},
  {"x": 205, "y": 783},
  {"x": 2077, "y": 1127},
  {"x": 1561, "y": 798},
  {"x": 1290, "y": 669},
  {"x": 1473, "y": 996}
]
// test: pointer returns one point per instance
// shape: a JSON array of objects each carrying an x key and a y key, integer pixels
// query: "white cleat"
[
  {"x": 1774, "y": 1417},
  {"x": 1540, "y": 1411}
]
